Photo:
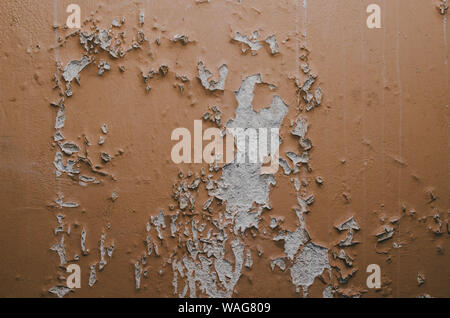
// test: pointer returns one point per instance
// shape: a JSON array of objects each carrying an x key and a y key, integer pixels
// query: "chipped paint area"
[{"x": 86, "y": 120}]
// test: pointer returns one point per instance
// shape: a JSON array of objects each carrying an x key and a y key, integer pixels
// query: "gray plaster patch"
[
  {"x": 84, "y": 251},
  {"x": 73, "y": 68},
  {"x": 292, "y": 241},
  {"x": 242, "y": 184},
  {"x": 311, "y": 262}
]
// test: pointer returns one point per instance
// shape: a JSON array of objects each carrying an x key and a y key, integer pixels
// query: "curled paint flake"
[
  {"x": 296, "y": 159},
  {"x": 60, "y": 248},
  {"x": 86, "y": 39},
  {"x": 310, "y": 199},
  {"x": 62, "y": 204},
  {"x": 158, "y": 222},
  {"x": 149, "y": 245},
  {"x": 207, "y": 204},
  {"x": 110, "y": 250},
  {"x": 443, "y": 7},
  {"x": 103, "y": 67},
  {"x": 105, "y": 157},
  {"x": 69, "y": 148},
  {"x": 301, "y": 128},
  {"x": 253, "y": 45},
  {"x": 278, "y": 262},
  {"x": 194, "y": 185},
  {"x": 92, "y": 275},
  {"x": 138, "y": 274},
  {"x": 183, "y": 202},
  {"x": 420, "y": 279},
  {"x": 386, "y": 234},
  {"x": 141, "y": 37},
  {"x": 201, "y": 273},
  {"x": 344, "y": 278},
  {"x": 60, "y": 117},
  {"x": 60, "y": 228},
  {"x": 285, "y": 165},
  {"x": 114, "y": 196},
  {"x": 273, "y": 223},
  {"x": 318, "y": 96},
  {"x": 59, "y": 291},
  {"x": 173, "y": 225},
  {"x": 103, "y": 261},
  {"x": 347, "y": 259},
  {"x": 163, "y": 70},
  {"x": 62, "y": 168},
  {"x": 156, "y": 249},
  {"x": 272, "y": 41},
  {"x": 216, "y": 117},
  {"x": 58, "y": 136},
  {"x": 246, "y": 220},
  {"x": 84, "y": 251},
  {"x": 87, "y": 179},
  {"x": 305, "y": 68},
  {"x": 104, "y": 129},
  {"x": 349, "y": 224},
  {"x": 105, "y": 39},
  {"x": 348, "y": 241},
  {"x": 183, "y": 38},
  {"x": 205, "y": 74}
]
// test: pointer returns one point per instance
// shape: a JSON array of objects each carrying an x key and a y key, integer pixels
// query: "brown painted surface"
[{"x": 380, "y": 138}]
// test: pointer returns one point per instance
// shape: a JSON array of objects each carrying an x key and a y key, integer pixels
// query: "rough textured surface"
[{"x": 360, "y": 115}]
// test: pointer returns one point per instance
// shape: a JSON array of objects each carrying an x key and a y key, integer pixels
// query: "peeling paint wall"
[{"x": 85, "y": 137}]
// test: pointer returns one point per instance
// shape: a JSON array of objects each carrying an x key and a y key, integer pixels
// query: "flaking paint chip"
[
  {"x": 73, "y": 68},
  {"x": 205, "y": 74}
]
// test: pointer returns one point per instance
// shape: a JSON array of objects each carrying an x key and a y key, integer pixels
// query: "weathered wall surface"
[{"x": 375, "y": 151}]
